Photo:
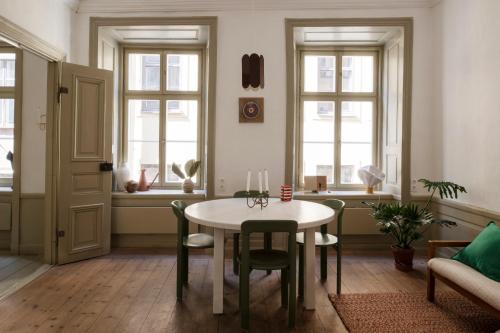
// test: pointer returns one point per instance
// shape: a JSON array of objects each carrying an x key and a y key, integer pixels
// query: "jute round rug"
[{"x": 411, "y": 312}]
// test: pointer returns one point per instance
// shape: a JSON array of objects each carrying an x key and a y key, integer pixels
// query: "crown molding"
[{"x": 155, "y": 6}]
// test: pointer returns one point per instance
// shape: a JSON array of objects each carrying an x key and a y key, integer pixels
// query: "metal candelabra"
[{"x": 261, "y": 199}]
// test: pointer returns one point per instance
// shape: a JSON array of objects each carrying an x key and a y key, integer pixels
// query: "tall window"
[
  {"x": 162, "y": 111},
  {"x": 338, "y": 108},
  {"x": 7, "y": 101}
]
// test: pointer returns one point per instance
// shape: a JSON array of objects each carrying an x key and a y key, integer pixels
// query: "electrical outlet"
[
  {"x": 222, "y": 184},
  {"x": 413, "y": 185}
]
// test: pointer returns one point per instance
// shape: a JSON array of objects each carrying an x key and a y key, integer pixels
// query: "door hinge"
[
  {"x": 62, "y": 90},
  {"x": 60, "y": 233}
]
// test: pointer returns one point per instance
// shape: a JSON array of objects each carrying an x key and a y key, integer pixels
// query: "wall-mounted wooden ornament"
[
  {"x": 251, "y": 109},
  {"x": 252, "y": 71}
]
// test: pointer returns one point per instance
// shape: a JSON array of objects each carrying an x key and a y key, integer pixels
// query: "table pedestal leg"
[
  {"x": 218, "y": 278},
  {"x": 309, "y": 263}
]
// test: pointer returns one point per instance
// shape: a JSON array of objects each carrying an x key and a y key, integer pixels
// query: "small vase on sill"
[
  {"x": 143, "y": 184},
  {"x": 188, "y": 185}
]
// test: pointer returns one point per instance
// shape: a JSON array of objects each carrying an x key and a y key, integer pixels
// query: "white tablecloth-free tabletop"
[{"x": 229, "y": 214}]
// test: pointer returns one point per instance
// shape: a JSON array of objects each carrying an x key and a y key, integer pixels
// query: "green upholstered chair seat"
[
  {"x": 268, "y": 259},
  {"x": 320, "y": 239},
  {"x": 199, "y": 241}
]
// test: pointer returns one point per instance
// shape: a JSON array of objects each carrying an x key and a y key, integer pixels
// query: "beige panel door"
[{"x": 84, "y": 195}]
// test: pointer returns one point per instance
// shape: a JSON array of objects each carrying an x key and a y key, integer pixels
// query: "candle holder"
[{"x": 261, "y": 199}]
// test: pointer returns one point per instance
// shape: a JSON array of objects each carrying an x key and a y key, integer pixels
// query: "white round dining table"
[{"x": 229, "y": 214}]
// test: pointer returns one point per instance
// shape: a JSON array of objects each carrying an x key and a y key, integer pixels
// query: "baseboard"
[{"x": 31, "y": 249}]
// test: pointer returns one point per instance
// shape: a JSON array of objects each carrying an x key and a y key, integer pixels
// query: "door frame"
[{"x": 25, "y": 40}]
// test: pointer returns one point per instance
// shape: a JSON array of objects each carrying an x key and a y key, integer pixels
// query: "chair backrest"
[
  {"x": 244, "y": 194},
  {"x": 178, "y": 206},
  {"x": 338, "y": 206},
  {"x": 261, "y": 226}
]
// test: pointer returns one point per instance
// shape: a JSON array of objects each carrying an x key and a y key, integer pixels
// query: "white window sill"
[
  {"x": 307, "y": 195},
  {"x": 160, "y": 194}
]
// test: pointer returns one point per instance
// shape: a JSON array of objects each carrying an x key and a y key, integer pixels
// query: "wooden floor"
[
  {"x": 134, "y": 291},
  {"x": 17, "y": 271}
]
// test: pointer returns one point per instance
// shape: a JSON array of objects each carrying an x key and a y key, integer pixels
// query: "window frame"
[
  {"x": 163, "y": 95},
  {"x": 338, "y": 96},
  {"x": 12, "y": 93}
]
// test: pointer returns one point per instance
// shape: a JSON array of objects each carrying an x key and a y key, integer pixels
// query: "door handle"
[{"x": 106, "y": 166}]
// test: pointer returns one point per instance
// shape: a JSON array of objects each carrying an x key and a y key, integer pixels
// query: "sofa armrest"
[{"x": 434, "y": 244}]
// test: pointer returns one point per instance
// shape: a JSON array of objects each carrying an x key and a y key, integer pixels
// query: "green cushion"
[{"x": 483, "y": 254}]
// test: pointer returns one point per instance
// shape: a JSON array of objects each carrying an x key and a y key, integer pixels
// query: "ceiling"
[
  {"x": 345, "y": 35},
  {"x": 158, "y": 6},
  {"x": 166, "y": 34}
]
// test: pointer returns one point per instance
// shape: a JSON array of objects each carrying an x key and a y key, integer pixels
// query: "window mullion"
[
  {"x": 338, "y": 118},
  {"x": 162, "y": 142}
]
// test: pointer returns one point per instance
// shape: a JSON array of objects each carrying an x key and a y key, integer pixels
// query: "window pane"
[
  {"x": 318, "y": 139},
  {"x": 143, "y": 137},
  {"x": 319, "y": 73},
  {"x": 357, "y": 73},
  {"x": 7, "y": 69},
  {"x": 181, "y": 134},
  {"x": 182, "y": 72},
  {"x": 6, "y": 136},
  {"x": 357, "y": 136},
  {"x": 144, "y": 72}
]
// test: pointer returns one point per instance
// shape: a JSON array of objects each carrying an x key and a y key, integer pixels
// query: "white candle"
[
  {"x": 249, "y": 176},
  {"x": 260, "y": 181},
  {"x": 266, "y": 180}
]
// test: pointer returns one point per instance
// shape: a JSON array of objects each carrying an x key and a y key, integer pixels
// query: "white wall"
[
  {"x": 33, "y": 137},
  {"x": 254, "y": 146},
  {"x": 467, "y": 97},
  {"x": 49, "y": 20}
]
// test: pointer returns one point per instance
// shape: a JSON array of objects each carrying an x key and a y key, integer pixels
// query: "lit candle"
[
  {"x": 266, "y": 180},
  {"x": 249, "y": 176},
  {"x": 260, "y": 181}
]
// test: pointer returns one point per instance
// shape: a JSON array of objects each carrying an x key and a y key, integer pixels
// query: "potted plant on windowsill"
[
  {"x": 407, "y": 222},
  {"x": 191, "y": 167}
]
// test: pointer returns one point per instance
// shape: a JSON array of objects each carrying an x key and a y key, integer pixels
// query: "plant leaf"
[
  {"x": 177, "y": 170},
  {"x": 194, "y": 168},
  {"x": 187, "y": 167}
]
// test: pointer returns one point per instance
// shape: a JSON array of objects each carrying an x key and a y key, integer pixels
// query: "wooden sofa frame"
[{"x": 431, "y": 277}]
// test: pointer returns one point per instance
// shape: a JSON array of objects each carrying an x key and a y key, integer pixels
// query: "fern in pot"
[
  {"x": 191, "y": 168},
  {"x": 407, "y": 222}
]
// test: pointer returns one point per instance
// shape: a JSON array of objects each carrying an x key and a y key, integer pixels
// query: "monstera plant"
[
  {"x": 407, "y": 222},
  {"x": 191, "y": 168}
]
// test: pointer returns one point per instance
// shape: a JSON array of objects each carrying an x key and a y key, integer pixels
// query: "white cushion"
[{"x": 469, "y": 279}]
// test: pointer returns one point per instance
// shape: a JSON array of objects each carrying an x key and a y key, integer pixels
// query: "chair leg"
[
  {"x": 339, "y": 269},
  {"x": 301, "y": 271},
  {"x": 431, "y": 285},
  {"x": 323, "y": 262},
  {"x": 292, "y": 303},
  {"x": 268, "y": 245},
  {"x": 180, "y": 279},
  {"x": 185, "y": 265},
  {"x": 236, "y": 250},
  {"x": 284, "y": 287},
  {"x": 244, "y": 296}
]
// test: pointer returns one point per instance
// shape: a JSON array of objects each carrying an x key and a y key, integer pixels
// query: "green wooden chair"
[
  {"x": 268, "y": 259},
  {"x": 323, "y": 240},
  {"x": 185, "y": 241},
  {"x": 268, "y": 238}
]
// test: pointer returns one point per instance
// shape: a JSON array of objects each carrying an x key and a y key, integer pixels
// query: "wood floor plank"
[
  {"x": 143, "y": 304},
  {"x": 86, "y": 315},
  {"x": 44, "y": 306},
  {"x": 134, "y": 291},
  {"x": 97, "y": 274}
]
